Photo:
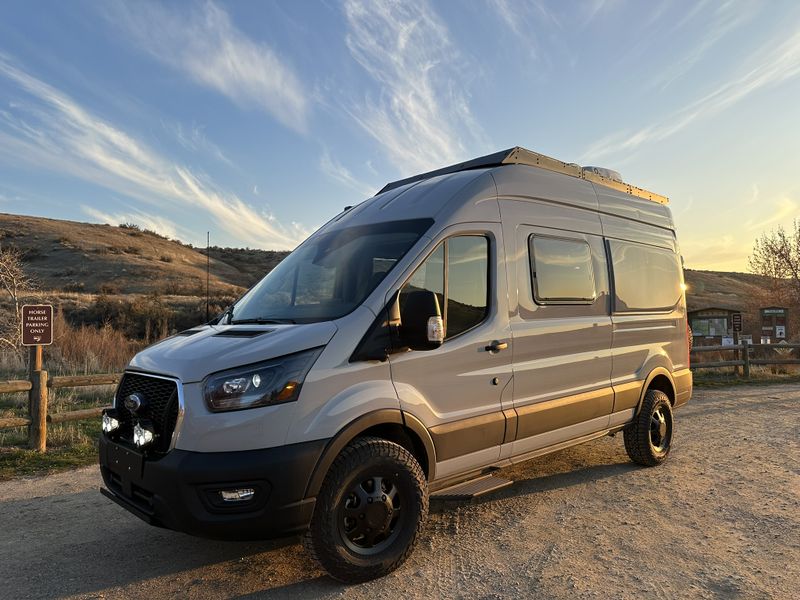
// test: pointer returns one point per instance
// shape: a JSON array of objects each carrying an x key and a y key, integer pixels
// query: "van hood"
[{"x": 195, "y": 353}]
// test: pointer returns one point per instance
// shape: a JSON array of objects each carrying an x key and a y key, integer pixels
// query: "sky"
[{"x": 259, "y": 121}]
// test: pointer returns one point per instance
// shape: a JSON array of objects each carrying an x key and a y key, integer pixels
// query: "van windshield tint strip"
[{"x": 330, "y": 274}]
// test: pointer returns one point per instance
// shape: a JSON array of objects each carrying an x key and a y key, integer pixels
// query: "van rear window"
[{"x": 645, "y": 278}]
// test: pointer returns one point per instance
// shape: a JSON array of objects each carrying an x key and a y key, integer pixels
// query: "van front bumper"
[{"x": 181, "y": 490}]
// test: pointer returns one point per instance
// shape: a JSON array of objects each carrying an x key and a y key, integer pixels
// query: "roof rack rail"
[{"x": 521, "y": 156}]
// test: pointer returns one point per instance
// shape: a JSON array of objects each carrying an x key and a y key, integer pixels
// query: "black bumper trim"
[{"x": 171, "y": 491}]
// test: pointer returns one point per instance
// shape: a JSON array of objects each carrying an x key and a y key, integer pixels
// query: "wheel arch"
[
  {"x": 390, "y": 424},
  {"x": 658, "y": 379}
]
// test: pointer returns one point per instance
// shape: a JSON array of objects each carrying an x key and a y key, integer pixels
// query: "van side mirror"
[{"x": 422, "y": 327}]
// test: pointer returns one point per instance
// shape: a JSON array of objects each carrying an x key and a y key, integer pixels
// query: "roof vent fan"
[{"x": 603, "y": 172}]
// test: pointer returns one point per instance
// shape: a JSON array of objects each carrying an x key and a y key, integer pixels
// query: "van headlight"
[{"x": 275, "y": 381}]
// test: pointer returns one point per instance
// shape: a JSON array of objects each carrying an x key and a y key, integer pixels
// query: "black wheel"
[
  {"x": 369, "y": 512},
  {"x": 649, "y": 437}
]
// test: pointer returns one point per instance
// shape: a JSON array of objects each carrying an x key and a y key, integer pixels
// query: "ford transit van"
[{"x": 457, "y": 322}]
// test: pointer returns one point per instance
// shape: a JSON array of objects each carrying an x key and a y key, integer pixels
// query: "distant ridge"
[{"x": 94, "y": 258}]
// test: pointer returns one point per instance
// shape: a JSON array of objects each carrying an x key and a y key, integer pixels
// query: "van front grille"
[{"x": 160, "y": 407}]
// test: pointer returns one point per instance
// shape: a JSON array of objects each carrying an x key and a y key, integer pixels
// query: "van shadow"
[
  {"x": 598, "y": 459},
  {"x": 82, "y": 543}
]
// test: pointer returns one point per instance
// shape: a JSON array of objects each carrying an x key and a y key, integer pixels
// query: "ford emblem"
[{"x": 134, "y": 402}]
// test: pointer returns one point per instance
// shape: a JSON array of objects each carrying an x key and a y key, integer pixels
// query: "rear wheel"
[
  {"x": 648, "y": 438},
  {"x": 369, "y": 512}
]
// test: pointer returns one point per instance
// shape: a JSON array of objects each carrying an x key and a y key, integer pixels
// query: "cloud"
[
  {"x": 335, "y": 170},
  {"x": 195, "y": 140},
  {"x": 783, "y": 208},
  {"x": 160, "y": 225},
  {"x": 421, "y": 117},
  {"x": 522, "y": 16},
  {"x": 726, "y": 18},
  {"x": 205, "y": 45},
  {"x": 723, "y": 253},
  {"x": 774, "y": 65},
  {"x": 49, "y": 130}
]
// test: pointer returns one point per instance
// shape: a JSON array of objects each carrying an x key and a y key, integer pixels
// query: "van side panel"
[
  {"x": 562, "y": 352},
  {"x": 646, "y": 340}
]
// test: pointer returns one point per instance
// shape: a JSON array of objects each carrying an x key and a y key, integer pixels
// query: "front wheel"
[
  {"x": 369, "y": 512},
  {"x": 648, "y": 438}
]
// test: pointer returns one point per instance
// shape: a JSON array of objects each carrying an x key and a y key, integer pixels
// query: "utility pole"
[{"x": 208, "y": 272}]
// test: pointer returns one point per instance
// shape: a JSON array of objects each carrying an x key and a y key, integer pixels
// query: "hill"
[{"x": 85, "y": 257}]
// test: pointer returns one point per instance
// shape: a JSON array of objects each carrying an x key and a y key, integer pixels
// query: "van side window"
[
  {"x": 467, "y": 283},
  {"x": 458, "y": 273},
  {"x": 645, "y": 277},
  {"x": 561, "y": 271},
  {"x": 428, "y": 276}
]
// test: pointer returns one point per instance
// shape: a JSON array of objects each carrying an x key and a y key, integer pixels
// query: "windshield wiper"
[{"x": 261, "y": 321}]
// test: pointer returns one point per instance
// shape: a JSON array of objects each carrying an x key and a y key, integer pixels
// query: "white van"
[{"x": 457, "y": 322}]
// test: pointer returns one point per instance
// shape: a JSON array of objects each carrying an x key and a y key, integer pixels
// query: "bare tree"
[
  {"x": 776, "y": 254},
  {"x": 16, "y": 284}
]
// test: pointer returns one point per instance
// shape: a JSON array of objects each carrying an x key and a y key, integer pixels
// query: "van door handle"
[{"x": 496, "y": 346}]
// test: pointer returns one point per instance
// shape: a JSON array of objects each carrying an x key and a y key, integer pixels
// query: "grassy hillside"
[
  {"x": 83, "y": 257},
  {"x": 723, "y": 290}
]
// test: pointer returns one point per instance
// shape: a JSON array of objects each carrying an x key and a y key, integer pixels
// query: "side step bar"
[{"x": 472, "y": 488}]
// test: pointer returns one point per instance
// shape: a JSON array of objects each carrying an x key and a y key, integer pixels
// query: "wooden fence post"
[
  {"x": 746, "y": 357},
  {"x": 37, "y": 437}
]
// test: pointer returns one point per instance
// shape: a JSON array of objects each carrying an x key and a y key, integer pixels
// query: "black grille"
[{"x": 160, "y": 407}]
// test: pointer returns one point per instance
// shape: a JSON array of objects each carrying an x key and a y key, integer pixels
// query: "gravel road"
[{"x": 721, "y": 518}]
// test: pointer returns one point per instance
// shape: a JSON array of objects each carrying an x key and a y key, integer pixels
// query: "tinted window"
[
  {"x": 330, "y": 274},
  {"x": 428, "y": 276},
  {"x": 561, "y": 270},
  {"x": 467, "y": 283},
  {"x": 465, "y": 278},
  {"x": 645, "y": 278}
]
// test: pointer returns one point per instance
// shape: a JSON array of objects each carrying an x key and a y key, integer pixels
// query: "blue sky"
[{"x": 261, "y": 120}]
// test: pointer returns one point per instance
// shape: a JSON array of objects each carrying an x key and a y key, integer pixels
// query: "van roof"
[{"x": 522, "y": 156}]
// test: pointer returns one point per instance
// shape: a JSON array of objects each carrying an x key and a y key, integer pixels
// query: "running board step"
[{"x": 472, "y": 488}]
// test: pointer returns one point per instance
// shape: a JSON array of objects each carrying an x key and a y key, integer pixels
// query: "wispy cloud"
[
  {"x": 723, "y": 253},
  {"x": 782, "y": 209},
  {"x": 524, "y": 18},
  {"x": 50, "y": 130},
  {"x": 194, "y": 139},
  {"x": 335, "y": 170},
  {"x": 203, "y": 43},
  {"x": 726, "y": 18},
  {"x": 421, "y": 116},
  {"x": 155, "y": 223},
  {"x": 774, "y": 65}
]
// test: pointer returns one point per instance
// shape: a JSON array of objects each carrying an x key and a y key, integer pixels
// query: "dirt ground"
[{"x": 721, "y": 518}]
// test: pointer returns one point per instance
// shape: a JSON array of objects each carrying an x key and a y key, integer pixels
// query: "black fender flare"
[
  {"x": 650, "y": 377},
  {"x": 392, "y": 416}
]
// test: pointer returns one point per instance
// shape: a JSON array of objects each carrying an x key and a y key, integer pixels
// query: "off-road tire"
[
  {"x": 325, "y": 540},
  {"x": 639, "y": 442}
]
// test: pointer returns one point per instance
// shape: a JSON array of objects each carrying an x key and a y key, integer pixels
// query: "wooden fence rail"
[
  {"x": 743, "y": 356},
  {"x": 38, "y": 396}
]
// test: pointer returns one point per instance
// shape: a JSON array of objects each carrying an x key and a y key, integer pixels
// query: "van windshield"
[{"x": 329, "y": 275}]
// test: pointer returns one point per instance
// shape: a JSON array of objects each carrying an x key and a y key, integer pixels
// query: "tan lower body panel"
[
  {"x": 541, "y": 417},
  {"x": 683, "y": 386},
  {"x": 626, "y": 395},
  {"x": 468, "y": 435}
]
